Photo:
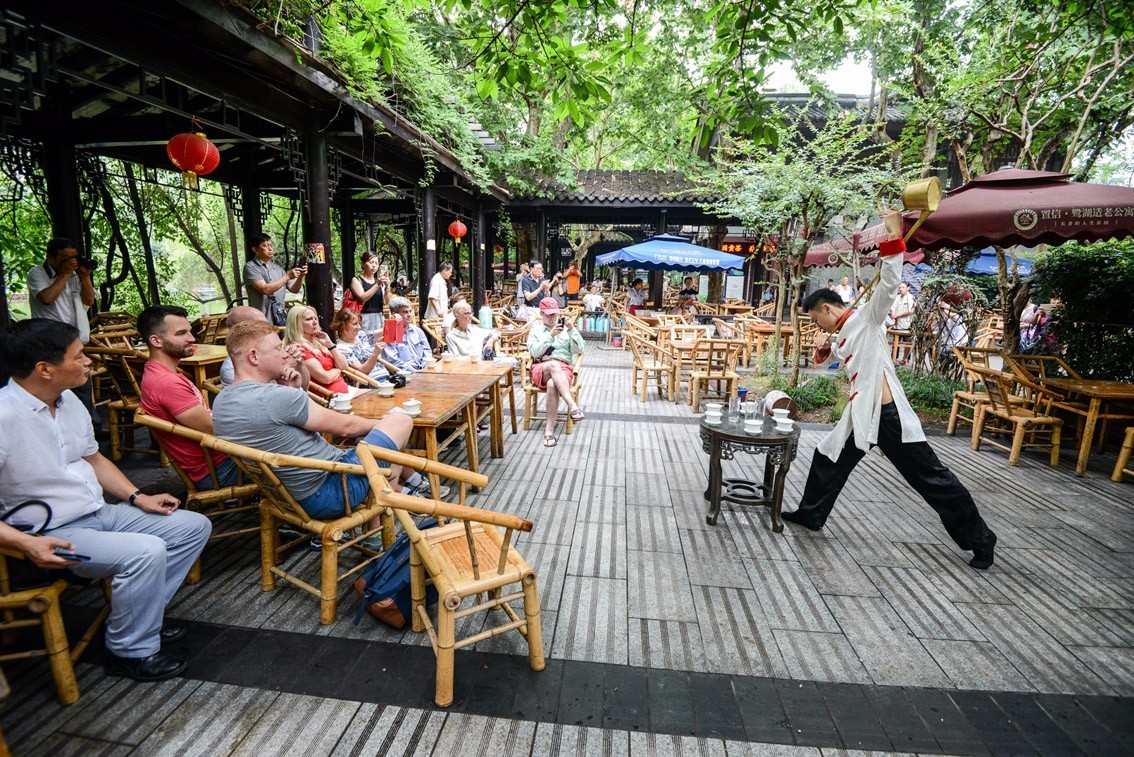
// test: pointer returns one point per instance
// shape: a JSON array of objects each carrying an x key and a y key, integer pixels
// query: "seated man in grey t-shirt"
[{"x": 279, "y": 418}]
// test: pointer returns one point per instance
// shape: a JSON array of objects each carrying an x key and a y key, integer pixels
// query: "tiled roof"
[{"x": 657, "y": 187}]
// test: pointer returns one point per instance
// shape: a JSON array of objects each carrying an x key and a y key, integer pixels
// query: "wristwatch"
[{"x": 134, "y": 497}]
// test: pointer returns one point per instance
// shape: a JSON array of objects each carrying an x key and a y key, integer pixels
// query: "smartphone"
[{"x": 60, "y": 552}]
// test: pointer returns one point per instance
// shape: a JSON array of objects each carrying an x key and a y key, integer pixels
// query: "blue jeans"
[
  {"x": 327, "y": 501},
  {"x": 227, "y": 475}
]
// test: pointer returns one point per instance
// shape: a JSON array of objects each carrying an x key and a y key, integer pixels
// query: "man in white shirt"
[
  {"x": 145, "y": 547},
  {"x": 901, "y": 314},
  {"x": 61, "y": 289},
  {"x": 438, "y": 306},
  {"x": 845, "y": 291},
  {"x": 878, "y": 414},
  {"x": 593, "y": 301}
]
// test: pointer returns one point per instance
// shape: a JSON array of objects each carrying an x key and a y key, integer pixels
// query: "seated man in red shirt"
[{"x": 171, "y": 396}]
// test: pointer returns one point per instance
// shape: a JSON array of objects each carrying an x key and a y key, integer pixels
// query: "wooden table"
[
  {"x": 443, "y": 398},
  {"x": 734, "y": 308},
  {"x": 678, "y": 349},
  {"x": 723, "y": 441},
  {"x": 1098, "y": 392},
  {"x": 504, "y": 379}
]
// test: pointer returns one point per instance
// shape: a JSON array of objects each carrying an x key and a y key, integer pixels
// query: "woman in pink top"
[{"x": 323, "y": 363}]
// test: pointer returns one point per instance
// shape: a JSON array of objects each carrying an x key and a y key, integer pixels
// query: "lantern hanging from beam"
[
  {"x": 457, "y": 230},
  {"x": 193, "y": 154}
]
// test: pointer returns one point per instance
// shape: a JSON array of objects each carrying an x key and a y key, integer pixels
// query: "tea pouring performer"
[{"x": 879, "y": 414}]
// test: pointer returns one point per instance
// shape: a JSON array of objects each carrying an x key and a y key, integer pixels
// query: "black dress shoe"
[
  {"x": 157, "y": 667},
  {"x": 796, "y": 518},
  {"x": 983, "y": 555},
  {"x": 171, "y": 632}
]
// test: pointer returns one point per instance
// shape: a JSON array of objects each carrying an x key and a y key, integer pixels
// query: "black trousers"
[{"x": 919, "y": 466}]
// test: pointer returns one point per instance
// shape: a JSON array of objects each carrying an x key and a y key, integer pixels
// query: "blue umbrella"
[
  {"x": 669, "y": 253},
  {"x": 985, "y": 263}
]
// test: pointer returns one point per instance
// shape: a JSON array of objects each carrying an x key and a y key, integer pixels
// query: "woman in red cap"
[{"x": 553, "y": 342}]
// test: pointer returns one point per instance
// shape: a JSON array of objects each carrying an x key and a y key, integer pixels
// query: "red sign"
[{"x": 740, "y": 247}]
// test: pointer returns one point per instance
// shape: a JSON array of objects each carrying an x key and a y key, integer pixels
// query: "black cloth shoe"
[
  {"x": 796, "y": 518},
  {"x": 983, "y": 555},
  {"x": 171, "y": 632},
  {"x": 159, "y": 666}
]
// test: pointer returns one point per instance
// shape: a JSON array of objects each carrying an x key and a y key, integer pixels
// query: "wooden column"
[
  {"x": 657, "y": 277},
  {"x": 477, "y": 258},
  {"x": 347, "y": 238},
  {"x": 541, "y": 240},
  {"x": 61, "y": 173},
  {"x": 317, "y": 227},
  {"x": 489, "y": 251},
  {"x": 427, "y": 263}
]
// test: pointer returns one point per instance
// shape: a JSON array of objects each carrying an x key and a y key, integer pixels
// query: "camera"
[
  {"x": 88, "y": 262},
  {"x": 562, "y": 322}
]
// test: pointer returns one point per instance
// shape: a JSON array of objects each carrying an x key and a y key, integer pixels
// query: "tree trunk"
[
  {"x": 195, "y": 243},
  {"x": 152, "y": 288},
  {"x": 106, "y": 289},
  {"x": 234, "y": 245}
]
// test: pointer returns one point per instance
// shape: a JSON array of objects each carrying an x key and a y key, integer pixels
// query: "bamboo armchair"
[
  {"x": 115, "y": 337},
  {"x": 515, "y": 343},
  {"x": 464, "y": 558},
  {"x": 649, "y": 359},
  {"x": 767, "y": 310},
  {"x": 1122, "y": 464},
  {"x": 736, "y": 332},
  {"x": 432, "y": 327},
  {"x": 713, "y": 360},
  {"x": 113, "y": 319},
  {"x": 1040, "y": 367},
  {"x": 970, "y": 397},
  {"x": 1031, "y": 370},
  {"x": 127, "y": 399},
  {"x": 1030, "y": 426},
  {"x": 212, "y": 329},
  {"x": 40, "y": 606},
  {"x": 532, "y": 392},
  {"x": 217, "y": 503},
  {"x": 213, "y": 385},
  {"x": 616, "y": 312}
]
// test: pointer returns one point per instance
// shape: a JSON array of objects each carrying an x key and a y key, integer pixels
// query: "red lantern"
[
  {"x": 457, "y": 230},
  {"x": 193, "y": 154}
]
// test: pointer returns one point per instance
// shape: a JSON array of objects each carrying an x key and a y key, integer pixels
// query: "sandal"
[
  {"x": 549, "y": 440},
  {"x": 578, "y": 416}
]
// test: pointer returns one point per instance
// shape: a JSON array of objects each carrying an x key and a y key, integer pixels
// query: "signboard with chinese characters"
[{"x": 739, "y": 247}]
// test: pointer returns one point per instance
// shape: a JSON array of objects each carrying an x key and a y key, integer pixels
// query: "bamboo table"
[
  {"x": 678, "y": 350},
  {"x": 723, "y": 441},
  {"x": 1098, "y": 392}
]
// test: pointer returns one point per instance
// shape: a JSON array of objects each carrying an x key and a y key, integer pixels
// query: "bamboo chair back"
[
  {"x": 466, "y": 558},
  {"x": 715, "y": 358},
  {"x": 514, "y": 344},
  {"x": 110, "y": 319},
  {"x": 214, "y": 501},
  {"x": 971, "y": 358},
  {"x": 212, "y": 329},
  {"x": 212, "y": 385},
  {"x": 432, "y": 327},
  {"x": 767, "y": 310},
  {"x": 1039, "y": 367},
  {"x": 122, "y": 338}
]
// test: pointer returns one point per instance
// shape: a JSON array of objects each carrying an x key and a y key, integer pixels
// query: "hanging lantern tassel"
[{"x": 194, "y": 155}]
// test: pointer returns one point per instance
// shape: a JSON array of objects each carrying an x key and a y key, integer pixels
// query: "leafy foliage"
[
  {"x": 928, "y": 391},
  {"x": 1094, "y": 320}
]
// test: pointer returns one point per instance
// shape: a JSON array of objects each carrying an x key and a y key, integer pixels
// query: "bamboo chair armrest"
[
  {"x": 424, "y": 465},
  {"x": 381, "y": 487},
  {"x": 360, "y": 378},
  {"x": 277, "y": 460}
]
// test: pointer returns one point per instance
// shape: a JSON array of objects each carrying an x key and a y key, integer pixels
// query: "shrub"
[
  {"x": 813, "y": 393},
  {"x": 928, "y": 391},
  {"x": 1094, "y": 319}
]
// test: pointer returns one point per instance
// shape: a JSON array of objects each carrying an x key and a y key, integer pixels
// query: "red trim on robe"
[{"x": 892, "y": 247}]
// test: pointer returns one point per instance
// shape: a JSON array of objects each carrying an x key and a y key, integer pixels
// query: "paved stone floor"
[{"x": 668, "y": 636}]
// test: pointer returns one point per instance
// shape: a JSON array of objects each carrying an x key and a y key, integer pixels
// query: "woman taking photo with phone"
[{"x": 371, "y": 289}]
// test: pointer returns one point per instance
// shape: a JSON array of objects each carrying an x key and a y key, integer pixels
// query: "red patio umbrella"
[
  {"x": 868, "y": 239},
  {"x": 1016, "y": 206}
]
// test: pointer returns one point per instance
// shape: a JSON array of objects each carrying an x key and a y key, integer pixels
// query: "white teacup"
[
  {"x": 446, "y": 357},
  {"x": 385, "y": 389},
  {"x": 412, "y": 406},
  {"x": 711, "y": 417},
  {"x": 340, "y": 402},
  {"x": 785, "y": 425},
  {"x": 430, "y": 360},
  {"x": 474, "y": 358},
  {"x": 713, "y": 407},
  {"x": 780, "y": 413}
]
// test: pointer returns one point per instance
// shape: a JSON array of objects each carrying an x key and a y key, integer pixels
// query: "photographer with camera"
[
  {"x": 62, "y": 290},
  {"x": 553, "y": 341}
]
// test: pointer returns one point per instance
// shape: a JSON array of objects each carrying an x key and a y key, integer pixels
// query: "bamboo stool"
[
  {"x": 465, "y": 558},
  {"x": 42, "y": 603}
]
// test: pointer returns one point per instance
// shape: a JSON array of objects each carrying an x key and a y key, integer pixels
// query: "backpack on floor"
[{"x": 384, "y": 587}]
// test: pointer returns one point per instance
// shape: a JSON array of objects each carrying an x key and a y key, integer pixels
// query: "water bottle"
[{"x": 485, "y": 317}]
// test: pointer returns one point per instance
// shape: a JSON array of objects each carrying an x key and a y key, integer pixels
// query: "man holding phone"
[
  {"x": 48, "y": 453},
  {"x": 553, "y": 341}
]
